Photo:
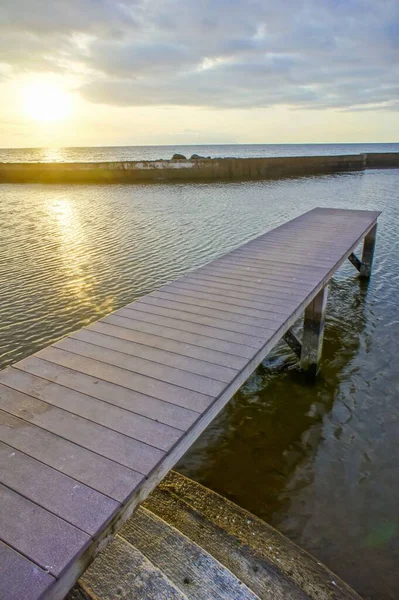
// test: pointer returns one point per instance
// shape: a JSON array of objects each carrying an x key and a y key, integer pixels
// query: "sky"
[{"x": 103, "y": 72}]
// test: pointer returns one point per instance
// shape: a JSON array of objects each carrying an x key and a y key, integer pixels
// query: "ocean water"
[
  {"x": 123, "y": 153},
  {"x": 318, "y": 461}
]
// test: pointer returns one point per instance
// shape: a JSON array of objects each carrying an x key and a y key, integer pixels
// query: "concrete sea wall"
[{"x": 192, "y": 170}]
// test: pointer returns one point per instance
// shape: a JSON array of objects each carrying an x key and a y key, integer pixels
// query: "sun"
[{"x": 46, "y": 101}]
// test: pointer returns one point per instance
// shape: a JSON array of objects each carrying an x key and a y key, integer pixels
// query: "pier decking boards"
[{"x": 91, "y": 424}]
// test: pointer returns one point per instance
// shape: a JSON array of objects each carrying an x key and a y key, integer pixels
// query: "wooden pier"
[{"x": 90, "y": 425}]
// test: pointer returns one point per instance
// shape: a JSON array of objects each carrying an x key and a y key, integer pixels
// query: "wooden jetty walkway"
[{"x": 90, "y": 425}]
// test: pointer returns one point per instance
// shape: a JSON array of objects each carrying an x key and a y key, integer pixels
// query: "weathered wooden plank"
[
  {"x": 218, "y": 333},
  {"x": 133, "y": 381},
  {"x": 302, "y": 255},
  {"x": 65, "y": 497},
  {"x": 209, "y": 289},
  {"x": 258, "y": 291},
  {"x": 192, "y": 317},
  {"x": 243, "y": 262},
  {"x": 87, "y": 467},
  {"x": 222, "y": 311},
  {"x": 289, "y": 273},
  {"x": 245, "y": 276},
  {"x": 111, "y": 444},
  {"x": 143, "y": 324},
  {"x": 282, "y": 265},
  {"x": 43, "y": 538},
  {"x": 114, "y": 394},
  {"x": 122, "y": 571},
  {"x": 135, "y": 426},
  {"x": 215, "y": 297},
  {"x": 182, "y": 349},
  {"x": 154, "y": 354},
  {"x": 159, "y": 371},
  {"x": 168, "y": 549},
  {"x": 21, "y": 578}
]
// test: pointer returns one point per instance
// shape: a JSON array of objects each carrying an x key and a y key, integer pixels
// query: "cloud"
[{"x": 214, "y": 53}]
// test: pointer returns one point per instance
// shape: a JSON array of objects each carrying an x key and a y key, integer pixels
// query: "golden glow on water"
[
  {"x": 75, "y": 250},
  {"x": 51, "y": 154}
]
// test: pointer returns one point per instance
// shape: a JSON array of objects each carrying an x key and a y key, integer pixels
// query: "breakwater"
[{"x": 191, "y": 170}]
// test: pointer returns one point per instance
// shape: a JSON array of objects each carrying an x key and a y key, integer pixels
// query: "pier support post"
[
  {"x": 313, "y": 329},
  {"x": 364, "y": 265},
  {"x": 368, "y": 252}
]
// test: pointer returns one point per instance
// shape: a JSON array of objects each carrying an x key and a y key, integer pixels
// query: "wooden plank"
[
  {"x": 43, "y": 538},
  {"x": 223, "y": 311},
  {"x": 20, "y": 578},
  {"x": 217, "y": 333},
  {"x": 159, "y": 371},
  {"x": 283, "y": 264},
  {"x": 114, "y": 394},
  {"x": 209, "y": 289},
  {"x": 154, "y": 354},
  {"x": 214, "y": 297},
  {"x": 168, "y": 549},
  {"x": 89, "y": 468},
  {"x": 318, "y": 256},
  {"x": 289, "y": 273},
  {"x": 225, "y": 322},
  {"x": 112, "y": 417},
  {"x": 123, "y": 572},
  {"x": 244, "y": 263},
  {"x": 301, "y": 254},
  {"x": 63, "y": 496},
  {"x": 143, "y": 324},
  {"x": 245, "y": 276},
  {"x": 182, "y": 349},
  {"x": 258, "y": 292},
  {"x": 120, "y": 448},
  {"x": 158, "y": 389}
]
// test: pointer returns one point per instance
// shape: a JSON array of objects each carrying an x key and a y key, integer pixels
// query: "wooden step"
[
  {"x": 187, "y": 542},
  {"x": 122, "y": 572},
  {"x": 265, "y": 560},
  {"x": 191, "y": 568}
]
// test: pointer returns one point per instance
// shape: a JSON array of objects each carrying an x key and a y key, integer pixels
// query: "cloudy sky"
[{"x": 103, "y": 72}]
